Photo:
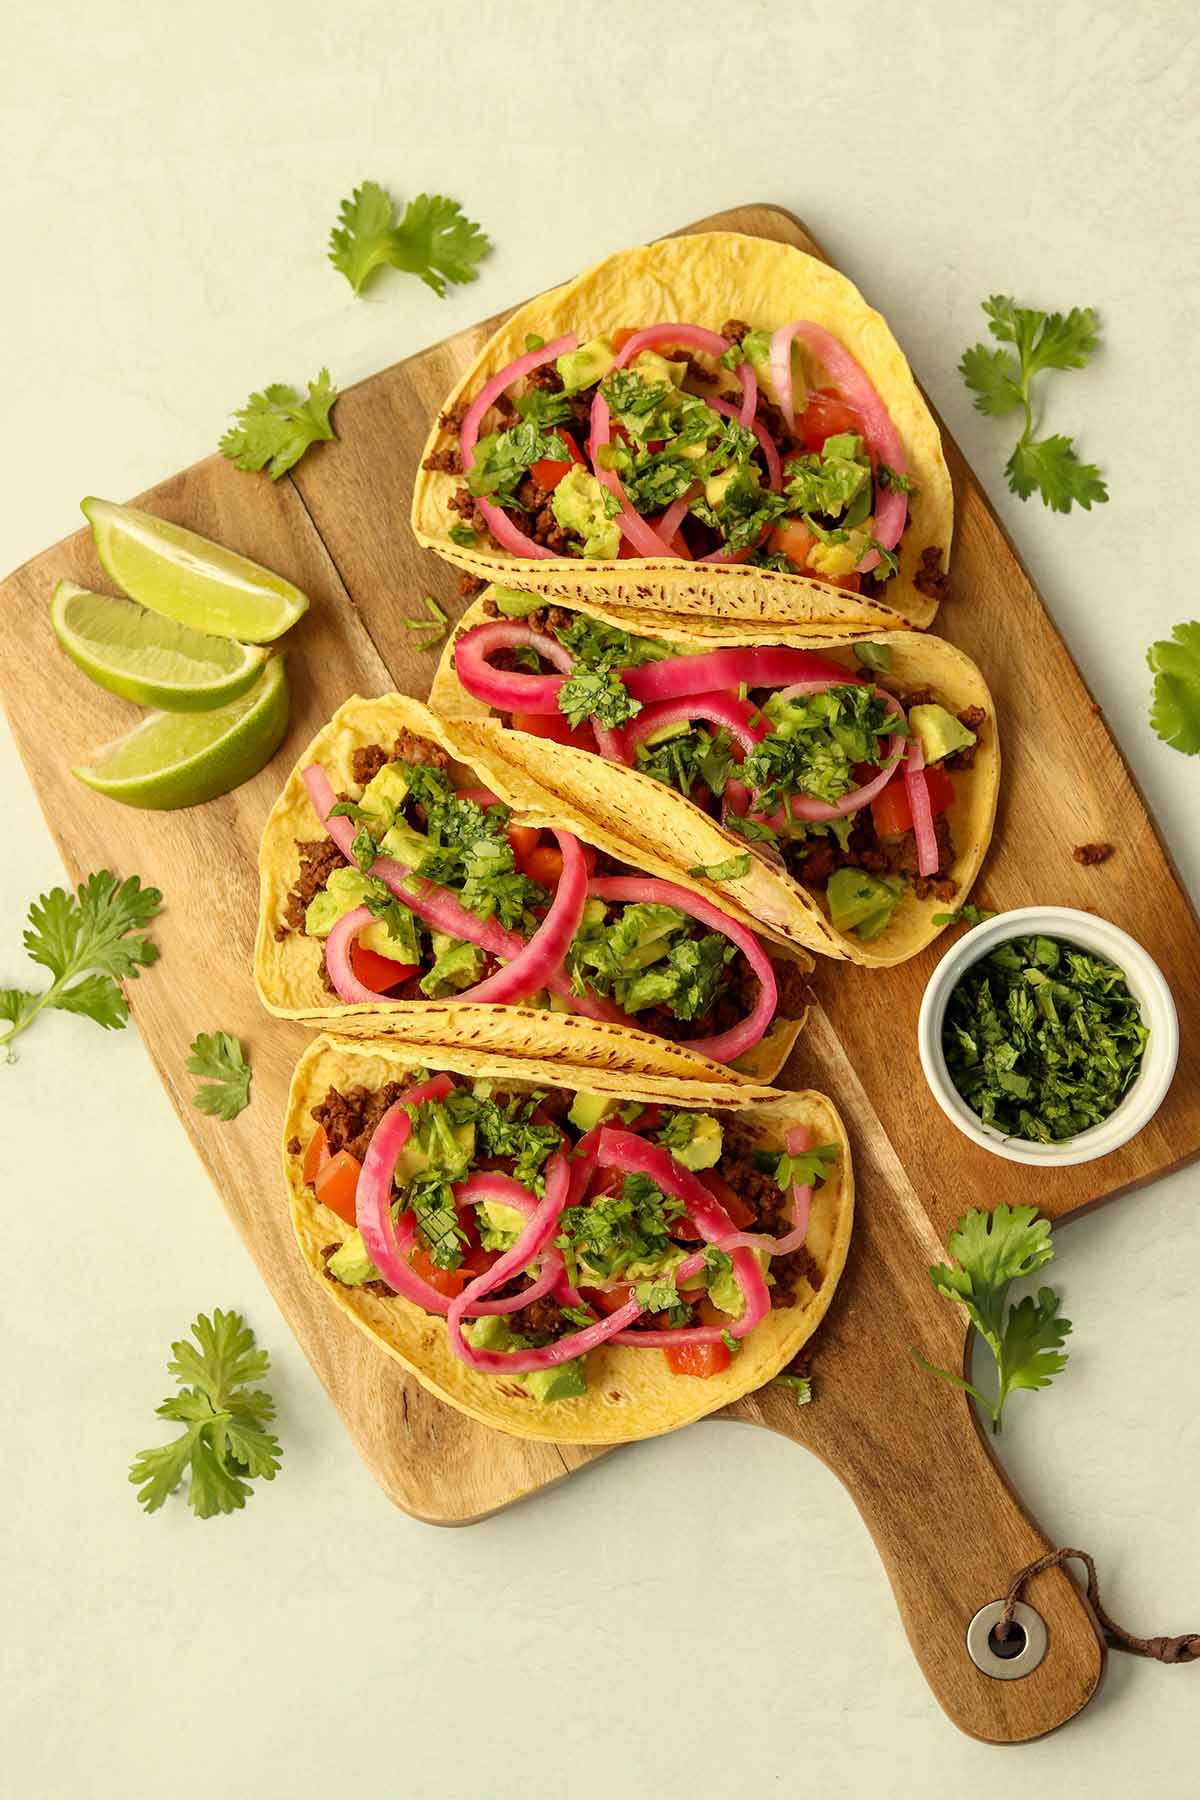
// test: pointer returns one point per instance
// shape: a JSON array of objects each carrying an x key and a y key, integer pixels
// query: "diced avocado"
[
  {"x": 457, "y": 965},
  {"x": 939, "y": 732},
  {"x": 589, "y": 1109},
  {"x": 492, "y": 1332},
  {"x": 578, "y": 503},
  {"x": 593, "y": 912},
  {"x": 386, "y": 792},
  {"x": 403, "y": 841},
  {"x": 717, "y": 486},
  {"x": 757, "y": 348},
  {"x": 414, "y": 1159},
  {"x": 514, "y": 604},
  {"x": 704, "y": 1148},
  {"x": 726, "y": 1295},
  {"x": 559, "y": 1003},
  {"x": 350, "y": 1264},
  {"x": 344, "y": 890},
  {"x": 654, "y": 369},
  {"x": 499, "y": 1226},
  {"x": 860, "y": 902},
  {"x": 679, "y": 728},
  {"x": 561, "y": 1383},
  {"x": 837, "y": 558},
  {"x": 584, "y": 367}
]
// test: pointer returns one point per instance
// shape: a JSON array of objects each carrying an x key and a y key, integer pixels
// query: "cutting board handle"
[{"x": 943, "y": 1516}]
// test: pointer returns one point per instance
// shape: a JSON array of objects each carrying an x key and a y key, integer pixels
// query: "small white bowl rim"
[{"x": 1148, "y": 986}]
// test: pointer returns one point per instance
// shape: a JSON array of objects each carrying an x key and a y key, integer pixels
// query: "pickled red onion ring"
[
  {"x": 436, "y": 905},
  {"x": 724, "y": 1046},
  {"x": 766, "y": 665},
  {"x": 508, "y": 535},
  {"x": 510, "y": 690},
  {"x": 338, "y": 945},
  {"x": 631, "y": 1154},
  {"x": 541, "y": 959},
  {"x": 766, "y": 443},
  {"x": 535, "y": 1238},
  {"x": 749, "y": 380},
  {"x": 674, "y": 516},
  {"x": 883, "y": 440},
  {"x": 691, "y": 337},
  {"x": 917, "y": 789},
  {"x": 715, "y": 709},
  {"x": 795, "y": 1141}
]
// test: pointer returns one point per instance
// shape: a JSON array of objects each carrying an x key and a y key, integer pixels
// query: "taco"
[
  {"x": 587, "y": 1266},
  {"x": 710, "y": 424},
  {"x": 525, "y": 933},
  {"x": 841, "y": 795}
]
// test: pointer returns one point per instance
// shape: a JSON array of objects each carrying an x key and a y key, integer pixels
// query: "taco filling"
[
  {"x": 843, "y": 780},
  {"x": 428, "y": 890},
  {"x": 543, "y": 1224},
  {"x": 671, "y": 441}
]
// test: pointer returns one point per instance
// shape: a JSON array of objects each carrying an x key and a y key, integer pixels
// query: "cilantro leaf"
[
  {"x": 434, "y": 241},
  {"x": 598, "y": 694},
  {"x": 276, "y": 427},
  {"x": 1175, "y": 714},
  {"x": 966, "y": 914},
  {"x": 1002, "y": 383},
  {"x": 732, "y": 869},
  {"x": 991, "y": 1251},
  {"x": 225, "y": 1091},
  {"x": 224, "y": 1441},
  {"x": 89, "y": 941},
  {"x": 1052, "y": 466},
  {"x": 800, "y": 1387}
]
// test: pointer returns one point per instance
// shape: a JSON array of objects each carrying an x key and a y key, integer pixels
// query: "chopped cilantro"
[
  {"x": 731, "y": 1343},
  {"x": 463, "y": 536},
  {"x": 1042, "y": 1039},
  {"x": 966, "y": 914},
  {"x": 799, "y": 1386},
  {"x": 893, "y": 482},
  {"x": 615, "y": 1230},
  {"x": 732, "y": 869},
  {"x": 503, "y": 457},
  {"x": 598, "y": 694}
]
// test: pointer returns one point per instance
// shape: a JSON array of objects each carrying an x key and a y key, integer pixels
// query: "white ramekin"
[{"x": 1146, "y": 984}]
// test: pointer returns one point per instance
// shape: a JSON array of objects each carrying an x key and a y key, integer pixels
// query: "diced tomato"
[
  {"x": 523, "y": 839},
  {"x": 450, "y": 1282},
  {"x": 377, "y": 972},
  {"x": 621, "y": 337},
  {"x": 794, "y": 540},
  {"x": 316, "y": 1155},
  {"x": 556, "y": 727},
  {"x": 701, "y": 1360},
  {"x": 729, "y": 1197},
  {"x": 337, "y": 1183},
  {"x": 545, "y": 864},
  {"x": 548, "y": 471},
  {"x": 608, "y": 1300},
  {"x": 825, "y": 416},
  {"x": 891, "y": 811},
  {"x": 701, "y": 796}
]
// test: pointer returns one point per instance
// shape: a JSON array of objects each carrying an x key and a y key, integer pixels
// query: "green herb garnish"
[
  {"x": 216, "y": 1056},
  {"x": 1002, "y": 383},
  {"x": 224, "y": 1441},
  {"x": 434, "y": 240},
  {"x": 1043, "y": 1040},
  {"x": 800, "y": 1387},
  {"x": 966, "y": 914},
  {"x": 433, "y": 628},
  {"x": 991, "y": 1251},
  {"x": 732, "y": 869},
  {"x": 89, "y": 941},
  {"x": 1175, "y": 714},
  {"x": 276, "y": 427}
]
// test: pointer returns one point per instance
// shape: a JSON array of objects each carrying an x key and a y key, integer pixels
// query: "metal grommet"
[{"x": 1015, "y": 1657}]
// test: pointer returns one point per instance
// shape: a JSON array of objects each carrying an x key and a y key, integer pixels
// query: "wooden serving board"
[{"x": 950, "y": 1530}]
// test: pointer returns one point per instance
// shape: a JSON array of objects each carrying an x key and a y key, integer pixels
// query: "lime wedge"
[
  {"x": 186, "y": 577},
  {"x": 147, "y": 658},
  {"x": 180, "y": 759}
]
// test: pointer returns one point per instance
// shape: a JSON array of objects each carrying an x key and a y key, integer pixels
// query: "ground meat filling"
[
  {"x": 349, "y": 1119},
  {"x": 814, "y": 860},
  {"x": 930, "y": 578},
  {"x": 1090, "y": 854},
  {"x": 317, "y": 863}
]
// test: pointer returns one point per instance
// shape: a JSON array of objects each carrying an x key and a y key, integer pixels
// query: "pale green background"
[{"x": 705, "y": 1614}]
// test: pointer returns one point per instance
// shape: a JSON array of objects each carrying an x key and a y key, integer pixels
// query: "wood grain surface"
[{"x": 947, "y": 1526}]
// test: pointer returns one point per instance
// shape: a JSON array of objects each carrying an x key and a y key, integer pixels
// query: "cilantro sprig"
[
  {"x": 90, "y": 941},
  {"x": 1003, "y": 382},
  {"x": 224, "y": 1091},
  {"x": 276, "y": 427},
  {"x": 1175, "y": 714},
  {"x": 224, "y": 1442},
  {"x": 434, "y": 240},
  {"x": 991, "y": 1251}
]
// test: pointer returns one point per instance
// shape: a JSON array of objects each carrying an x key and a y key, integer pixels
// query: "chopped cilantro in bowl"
[{"x": 1048, "y": 1036}]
